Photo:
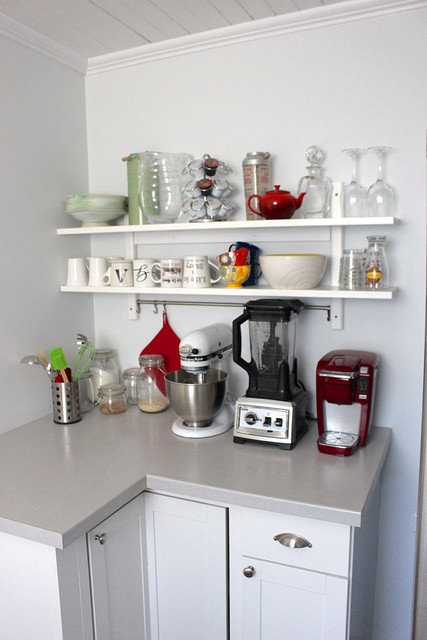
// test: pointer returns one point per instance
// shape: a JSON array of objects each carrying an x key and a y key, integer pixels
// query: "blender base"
[{"x": 220, "y": 424}]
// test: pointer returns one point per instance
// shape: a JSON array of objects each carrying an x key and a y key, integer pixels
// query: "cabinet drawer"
[{"x": 330, "y": 542}]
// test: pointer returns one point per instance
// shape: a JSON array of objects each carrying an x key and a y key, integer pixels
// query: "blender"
[{"x": 273, "y": 409}]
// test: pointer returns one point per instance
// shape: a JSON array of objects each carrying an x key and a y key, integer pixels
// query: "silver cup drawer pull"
[{"x": 292, "y": 540}]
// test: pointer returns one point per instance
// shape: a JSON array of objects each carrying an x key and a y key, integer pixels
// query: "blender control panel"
[{"x": 264, "y": 419}]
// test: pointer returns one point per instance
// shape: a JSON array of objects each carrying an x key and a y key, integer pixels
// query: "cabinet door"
[
  {"x": 117, "y": 575},
  {"x": 187, "y": 569},
  {"x": 281, "y": 602}
]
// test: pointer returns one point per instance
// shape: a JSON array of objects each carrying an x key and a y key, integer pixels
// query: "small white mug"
[
  {"x": 120, "y": 273},
  {"x": 77, "y": 273},
  {"x": 98, "y": 276},
  {"x": 199, "y": 272},
  {"x": 142, "y": 272},
  {"x": 167, "y": 272}
]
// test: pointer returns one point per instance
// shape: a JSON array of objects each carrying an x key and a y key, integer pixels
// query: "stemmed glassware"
[
  {"x": 380, "y": 195},
  {"x": 354, "y": 195}
]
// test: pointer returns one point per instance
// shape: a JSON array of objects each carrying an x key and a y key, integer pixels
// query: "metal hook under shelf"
[{"x": 184, "y": 303}]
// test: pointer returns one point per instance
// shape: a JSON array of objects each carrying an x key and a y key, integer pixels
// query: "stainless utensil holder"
[{"x": 66, "y": 402}]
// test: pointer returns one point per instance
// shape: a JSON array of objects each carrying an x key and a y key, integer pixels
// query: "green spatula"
[{"x": 59, "y": 362}]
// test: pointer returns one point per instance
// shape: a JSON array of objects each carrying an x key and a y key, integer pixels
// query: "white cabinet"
[
  {"x": 289, "y": 577},
  {"x": 116, "y": 558},
  {"x": 187, "y": 569},
  {"x": 282, "y": 602},
  {"x": 299, "y": 578}
]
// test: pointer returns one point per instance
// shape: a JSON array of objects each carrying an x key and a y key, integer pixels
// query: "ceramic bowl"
[
  {"x": 96, "y": 209},
  {"x": 234, "y": 276},
  {"x": 293, "y": 270}
]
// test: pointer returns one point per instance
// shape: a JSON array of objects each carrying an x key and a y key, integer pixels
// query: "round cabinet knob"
[
  {"x": 100, "y": 537},
  {"x": 249, "y": 571}
]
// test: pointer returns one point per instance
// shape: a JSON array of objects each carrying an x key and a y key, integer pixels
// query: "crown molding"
[
  {"x": 34, "y": 40},
  {"x": 335, "y": 13},
  {"x": 291, "y": 22}
]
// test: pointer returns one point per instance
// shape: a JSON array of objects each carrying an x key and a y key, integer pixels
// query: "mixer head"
[{"x": 206, "y": 347}]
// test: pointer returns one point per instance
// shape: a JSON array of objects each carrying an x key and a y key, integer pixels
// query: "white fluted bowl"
[{"x": 293, "y": 270}]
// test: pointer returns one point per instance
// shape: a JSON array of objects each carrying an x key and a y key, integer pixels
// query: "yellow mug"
[{"x": 234, "y": 276}]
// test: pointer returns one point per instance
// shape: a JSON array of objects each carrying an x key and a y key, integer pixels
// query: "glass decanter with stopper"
[{"x": 316, "y": 186}]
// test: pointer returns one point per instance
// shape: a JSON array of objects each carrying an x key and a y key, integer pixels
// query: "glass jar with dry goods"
[
  {"x": 112, "y": 399},
  {"x": 104, "y": 369},
  {"x": 151, "y": 387}
]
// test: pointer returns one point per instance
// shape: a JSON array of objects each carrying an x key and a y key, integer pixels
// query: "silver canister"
[
  {"x": 66, "y": 402},
  {"x": 256, "y": 178}
]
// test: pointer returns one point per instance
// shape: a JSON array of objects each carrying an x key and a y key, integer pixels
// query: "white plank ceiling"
[{"x": 96, "y": 27}]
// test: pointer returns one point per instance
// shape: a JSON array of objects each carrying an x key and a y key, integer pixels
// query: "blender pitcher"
[
  {"x": 160, "y": 185},
  {"x": 272, "y": 333}
]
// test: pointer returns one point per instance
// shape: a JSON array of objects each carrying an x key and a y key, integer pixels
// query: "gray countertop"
[{"x": 57, "y": 482}]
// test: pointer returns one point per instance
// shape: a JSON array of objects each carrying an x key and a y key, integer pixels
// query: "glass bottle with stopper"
[{"x": 316, "y": 186}]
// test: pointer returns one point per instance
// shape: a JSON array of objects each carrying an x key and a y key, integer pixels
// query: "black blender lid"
[{"x": 274, "y": 307}]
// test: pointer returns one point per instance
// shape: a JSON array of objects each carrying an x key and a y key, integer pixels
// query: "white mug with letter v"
[
  {"x": 167, "y": 272},
  {"x": 120, "y": 273},
  {"x": 199, "y": 272}
]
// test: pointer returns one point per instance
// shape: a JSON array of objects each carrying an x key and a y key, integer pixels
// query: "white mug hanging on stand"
[{"x": 199, "y": 272}]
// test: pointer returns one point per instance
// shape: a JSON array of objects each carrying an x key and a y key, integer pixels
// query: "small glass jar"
[
  {"x": 151, "y": 387},
  {"x": 376, "y": 268},
  {"x": 104, "y": 369},
  {"x": 130, "y": 378},
  {"x": 112, "y": 399}
]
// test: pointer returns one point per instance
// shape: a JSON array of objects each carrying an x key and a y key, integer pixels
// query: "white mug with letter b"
[
  {"x": 98, "y": 276},
  {"x": 142, "y": 272},
  {"x": 167, "y": 272},
  {"x": 77, "y": 274},
  {"x": 199, "y": 272},
  {"x": 120, "y": 273}
]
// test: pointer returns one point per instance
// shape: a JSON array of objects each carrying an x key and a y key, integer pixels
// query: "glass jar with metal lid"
[
  {"x": 151, "y": 387},
  {"x": 104, "y": 369},
  {"x": 112, "y": 399}
]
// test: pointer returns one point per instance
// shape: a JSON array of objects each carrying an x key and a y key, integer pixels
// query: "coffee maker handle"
[{"x": 237, "y": 341}]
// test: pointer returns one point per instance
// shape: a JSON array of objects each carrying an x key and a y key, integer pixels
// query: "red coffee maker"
[{"x": 345, "y": 391}]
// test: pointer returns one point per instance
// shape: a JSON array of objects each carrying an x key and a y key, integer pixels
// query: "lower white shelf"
[{"x": 240, "y": 292}]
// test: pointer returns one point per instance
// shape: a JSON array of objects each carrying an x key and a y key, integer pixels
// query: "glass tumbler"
[{"x": 351, "y": 269}]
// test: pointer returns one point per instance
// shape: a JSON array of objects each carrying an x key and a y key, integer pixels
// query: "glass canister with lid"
[
  {"x": 151, "y": 387},
  {"x": 104, "y": 369},
  {"x": 112, "y": 399}
]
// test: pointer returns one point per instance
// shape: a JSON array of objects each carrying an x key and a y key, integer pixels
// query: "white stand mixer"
[{"x": 197, "y": 392}]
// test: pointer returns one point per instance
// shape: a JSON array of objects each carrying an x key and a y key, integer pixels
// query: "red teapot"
[{"x": 276, "y": 204}]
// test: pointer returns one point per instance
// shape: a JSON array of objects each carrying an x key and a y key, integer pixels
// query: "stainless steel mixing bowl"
[{"x": 196, "y": 397}]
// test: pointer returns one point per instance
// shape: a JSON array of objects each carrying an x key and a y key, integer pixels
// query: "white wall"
[
  {"x": 339, "y": 85},
  {"x": 44, "y": 157}
]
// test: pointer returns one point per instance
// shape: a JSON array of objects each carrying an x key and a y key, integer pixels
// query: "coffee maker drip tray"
[{"x": 338, "y": 439}]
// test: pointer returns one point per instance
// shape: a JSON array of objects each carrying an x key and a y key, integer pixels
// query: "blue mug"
[{"x": 255, "y": 266}]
